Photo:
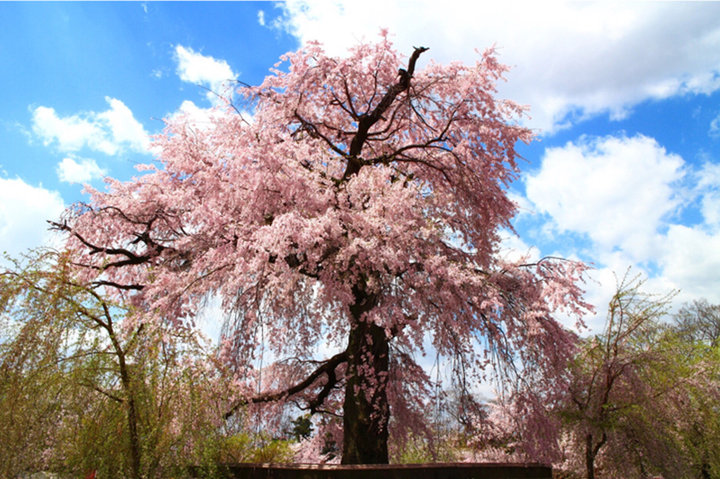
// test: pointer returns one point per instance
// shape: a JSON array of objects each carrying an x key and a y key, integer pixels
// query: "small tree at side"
[
  {"x": 82, "y": 388},
  {"x": 609, "y": 379}
]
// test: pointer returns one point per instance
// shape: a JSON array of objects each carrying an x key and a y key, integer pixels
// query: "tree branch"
[
  {"x": 103, "y": 391},
  {"x": 328, "y": 368},
  {"x": 367, "y": 120},
  {"x": 132, "y": 258}
]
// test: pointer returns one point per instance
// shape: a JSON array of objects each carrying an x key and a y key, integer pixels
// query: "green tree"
[
  {"x": 694, "y": 340},
  {"x": 608, "y": 382},
  {"x": 675, "y": 432},
  {"x": 78, "y": 372},
  {"x": 699, "y": 321},
  {"x": 643, "y": 395},
  {"x": 65, "y": 334}
]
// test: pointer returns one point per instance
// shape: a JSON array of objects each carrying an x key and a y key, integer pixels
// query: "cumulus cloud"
[
  {"x": 110, "y": 132},
  {"x": 71, "y": 170},
  {"x": 201, "y": 118},
  {"x": 600, "y": 285},
  {"x": 626, "y": 196},
  {"x": 70, "y": 133},
  {"x": 24, "y": 210},
  {"x": 691, "y": 261},
  {"x": 570, "y": 60},
  {"x": 617, "y": 191},
  {"x": 195, "y": 115},
  {"x": 124, "y": 128},
  {"x": 211, "y": 73}
]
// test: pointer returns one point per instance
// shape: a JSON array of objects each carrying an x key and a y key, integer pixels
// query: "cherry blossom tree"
[{"x": 359, "y": 205}]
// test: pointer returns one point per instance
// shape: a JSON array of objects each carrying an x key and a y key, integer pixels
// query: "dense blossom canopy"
[{"x": 356, "y": 191}]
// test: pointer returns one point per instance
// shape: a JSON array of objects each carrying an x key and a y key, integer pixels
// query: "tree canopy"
[{"x": 357, "y": 202}]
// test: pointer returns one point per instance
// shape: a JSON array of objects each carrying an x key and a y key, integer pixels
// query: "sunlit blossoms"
[{"x": 360, "y": 206}]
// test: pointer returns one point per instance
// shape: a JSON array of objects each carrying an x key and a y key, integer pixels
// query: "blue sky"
[{"x": 625, "y": 98}]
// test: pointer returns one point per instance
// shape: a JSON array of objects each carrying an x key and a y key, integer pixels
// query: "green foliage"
[
  {"x": 644, "y": 394},
  {"x": 690, "y": 411},
  {"x": 243, "y": 448},
  {"x": 83, "y": 388},
  {"x": 302, "y": 427},
  {"x": 647, "y": 390},
  {"x": 419, "y": 449}
]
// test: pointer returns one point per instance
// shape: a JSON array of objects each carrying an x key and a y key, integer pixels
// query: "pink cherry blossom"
[{"x": 360, "y": 206}]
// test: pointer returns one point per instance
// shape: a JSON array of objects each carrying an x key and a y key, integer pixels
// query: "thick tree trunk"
[{"x": 365, "y": 411}]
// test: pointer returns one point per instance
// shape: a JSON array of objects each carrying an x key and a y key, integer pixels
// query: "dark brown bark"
[
  {"x": 589, "y": 457},
  {"x": 367, "y": 120},
  {"x": 127, "y": 381},
  {"x": 365, "y": 410},
  {"x": 591, "y": 452},
  {"x": 326, "y": 368}
]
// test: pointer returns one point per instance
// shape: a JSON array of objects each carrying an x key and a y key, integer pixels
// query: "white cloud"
[
  {"x": 576, "y": 58},
  {"x": 70, "y": 133},
  {"x": 715, "y": 127},
  {"x": 600, "y": 286},
  {"x": 623, "y": 193},
  {"x": 195, "y": 115},
  {"x": 708, "y": 190},
  {"x": 203, "y": 118},
  {"x": 691, "y": 262},
  {"x": 524, "y": 207},
  {"x": 124, "y": 128},
  {"x": 214, "y": 74},
  {"x": 603, "y": 283},
  {"x": 24, "y": 210},
  {"x": 261, "y": 17},
  {"x": 109, "y": 132},
  {"x": 85, "y": 170},
  {"x": 618, "y": 191},
  {"x": 200, "y": 118},
  {"x": 513, "y": 248}
]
